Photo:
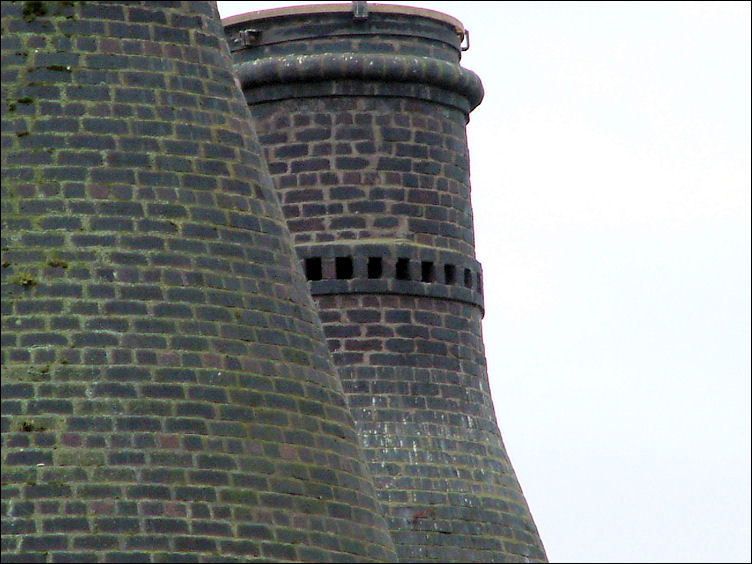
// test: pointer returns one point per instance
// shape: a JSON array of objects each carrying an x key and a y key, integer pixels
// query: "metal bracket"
[
  {"x": 359, "y": 11},
  {"x": 467, "y": 41}
]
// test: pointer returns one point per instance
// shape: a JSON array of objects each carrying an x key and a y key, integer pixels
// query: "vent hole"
[
  {"x": 343, "y": 267},
  {"x": 374, "y": 267},
  {"x": 468, "y": 278},
  {"x": 426, "y": 271},
  {"x": 313, "y": 268},
  {"x": 448, "y": 274},
  {"x": 403, "y": 269},
  {"x": 480, "y": 283}
]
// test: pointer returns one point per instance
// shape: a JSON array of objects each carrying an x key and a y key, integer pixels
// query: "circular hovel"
[{"x": 361, "y": 110}]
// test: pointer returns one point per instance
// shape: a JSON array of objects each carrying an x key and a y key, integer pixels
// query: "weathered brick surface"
[
  {"x": 363, "y": 126},
  {"x": 167, "y": 390},
  {"x": 361, "y": 181}
]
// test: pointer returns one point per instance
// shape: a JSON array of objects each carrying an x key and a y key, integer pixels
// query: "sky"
[{"x": 610, "y": 170}]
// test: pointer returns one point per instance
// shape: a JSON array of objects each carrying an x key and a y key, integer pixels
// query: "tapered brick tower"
[
  {"x": 361, "y": 110},
  {"x": 167, "y": 391}
]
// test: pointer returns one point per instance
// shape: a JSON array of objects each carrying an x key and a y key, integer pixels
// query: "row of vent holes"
[{"x": 343, "y": 268}]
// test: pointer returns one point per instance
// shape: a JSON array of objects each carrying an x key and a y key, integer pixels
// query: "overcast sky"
[{"x": 610, "y": 164}]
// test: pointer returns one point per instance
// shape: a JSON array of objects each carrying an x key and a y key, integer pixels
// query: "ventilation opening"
[
  {"x": 426, "y": 271},
  {"x": 448, "y": 274},
  {"x": 468, "y": 278},
  {"x": 313, "y": 268},
  {"x": 480, "y": 283},
  {"x": 374, "y": 267},
  {"x": 343, "y": 267},
  {"x": 403, "y": 269}
]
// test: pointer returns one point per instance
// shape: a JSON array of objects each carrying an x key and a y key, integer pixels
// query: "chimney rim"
[{"x": 314, "y": 9}]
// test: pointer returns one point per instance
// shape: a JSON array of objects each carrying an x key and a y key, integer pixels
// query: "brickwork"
[
  {"x": 355, "y": 168},
  {"x": 167, "y": 393},
  {"x": 363, "y": 126},
  {"x": 414, "y": 371}
]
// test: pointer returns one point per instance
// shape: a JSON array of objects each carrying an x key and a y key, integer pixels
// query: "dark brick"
[
  {"x": 166, "y": 526},
  {"x": 196, "y": 544},
  {"x": 134, "y": 423},
  {"x": 278, "y": 551},
  {"x": 186, "y": 426},
  {"x": 150, "y": 543},
  {"x": 43, "y": 543},
  {"x": 133, "y": 556},
  {"x": 119, "y": 525},
  {"x": 115, "y": 390},
  {"x": 94, "y": 340},
  {"x": 103, "y": 125},
  {"x": 66, "y": 525},
  {"x": 19, "y": 526},
  {"x": 28, "y": 457},
  {"x": 39, "y": 339},
  {"x": 49, "y": 406},
  {"x": 195, "y": 493},
  {"x": 96, "y": 424},
  {"x": 74, "y": 557},
  {"x": 141, "y": 292},
  {"x": 89, "y": 93},
  {"x": 124, "y": 308},
  {"x": 163, "y": 391},
  {"x": 17, "y": 390}
]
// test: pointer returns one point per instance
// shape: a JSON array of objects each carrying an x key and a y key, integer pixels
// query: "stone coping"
[{"x": 344, "y": 8}]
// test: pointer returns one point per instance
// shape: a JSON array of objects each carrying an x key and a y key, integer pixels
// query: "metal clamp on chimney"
[{"x": 466, "y": 46}]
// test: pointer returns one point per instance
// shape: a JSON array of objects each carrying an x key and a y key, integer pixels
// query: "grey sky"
[{"x": 610, "y": 166}]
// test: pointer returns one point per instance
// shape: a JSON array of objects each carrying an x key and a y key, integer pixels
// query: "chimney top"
[{"x": 314, "y": 9}]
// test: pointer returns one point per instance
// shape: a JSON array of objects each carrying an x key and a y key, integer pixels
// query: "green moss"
[
  {"x": 25, "y": 100},
  {"x": 31, "y": 427},
  {"x": 12, "y": 107},
  {"x": 33, "y": 10},
  {"x": 24, "y": 279},
  {"x": 57, "y": 263}
]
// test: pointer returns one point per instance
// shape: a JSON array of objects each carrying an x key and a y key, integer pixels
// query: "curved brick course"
[
  {"x": 391, "y": 267},
  {"x": 348, "y": 66},
  {"x": 167, "y": 392},
  {"x": 369, "y": 157}
]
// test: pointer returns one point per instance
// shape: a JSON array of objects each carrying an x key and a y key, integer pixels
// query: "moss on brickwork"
[
  {"x": 34, "y": 10},
  {"x": 24, "y": 278},
  {"x": 167, "y": 390},
  {"x": 173, "y": 389}
]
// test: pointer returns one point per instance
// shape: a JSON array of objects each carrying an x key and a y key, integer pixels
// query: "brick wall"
[
  {"x": 167, "y": 391},
  {"x": 363, "y": 127}
]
